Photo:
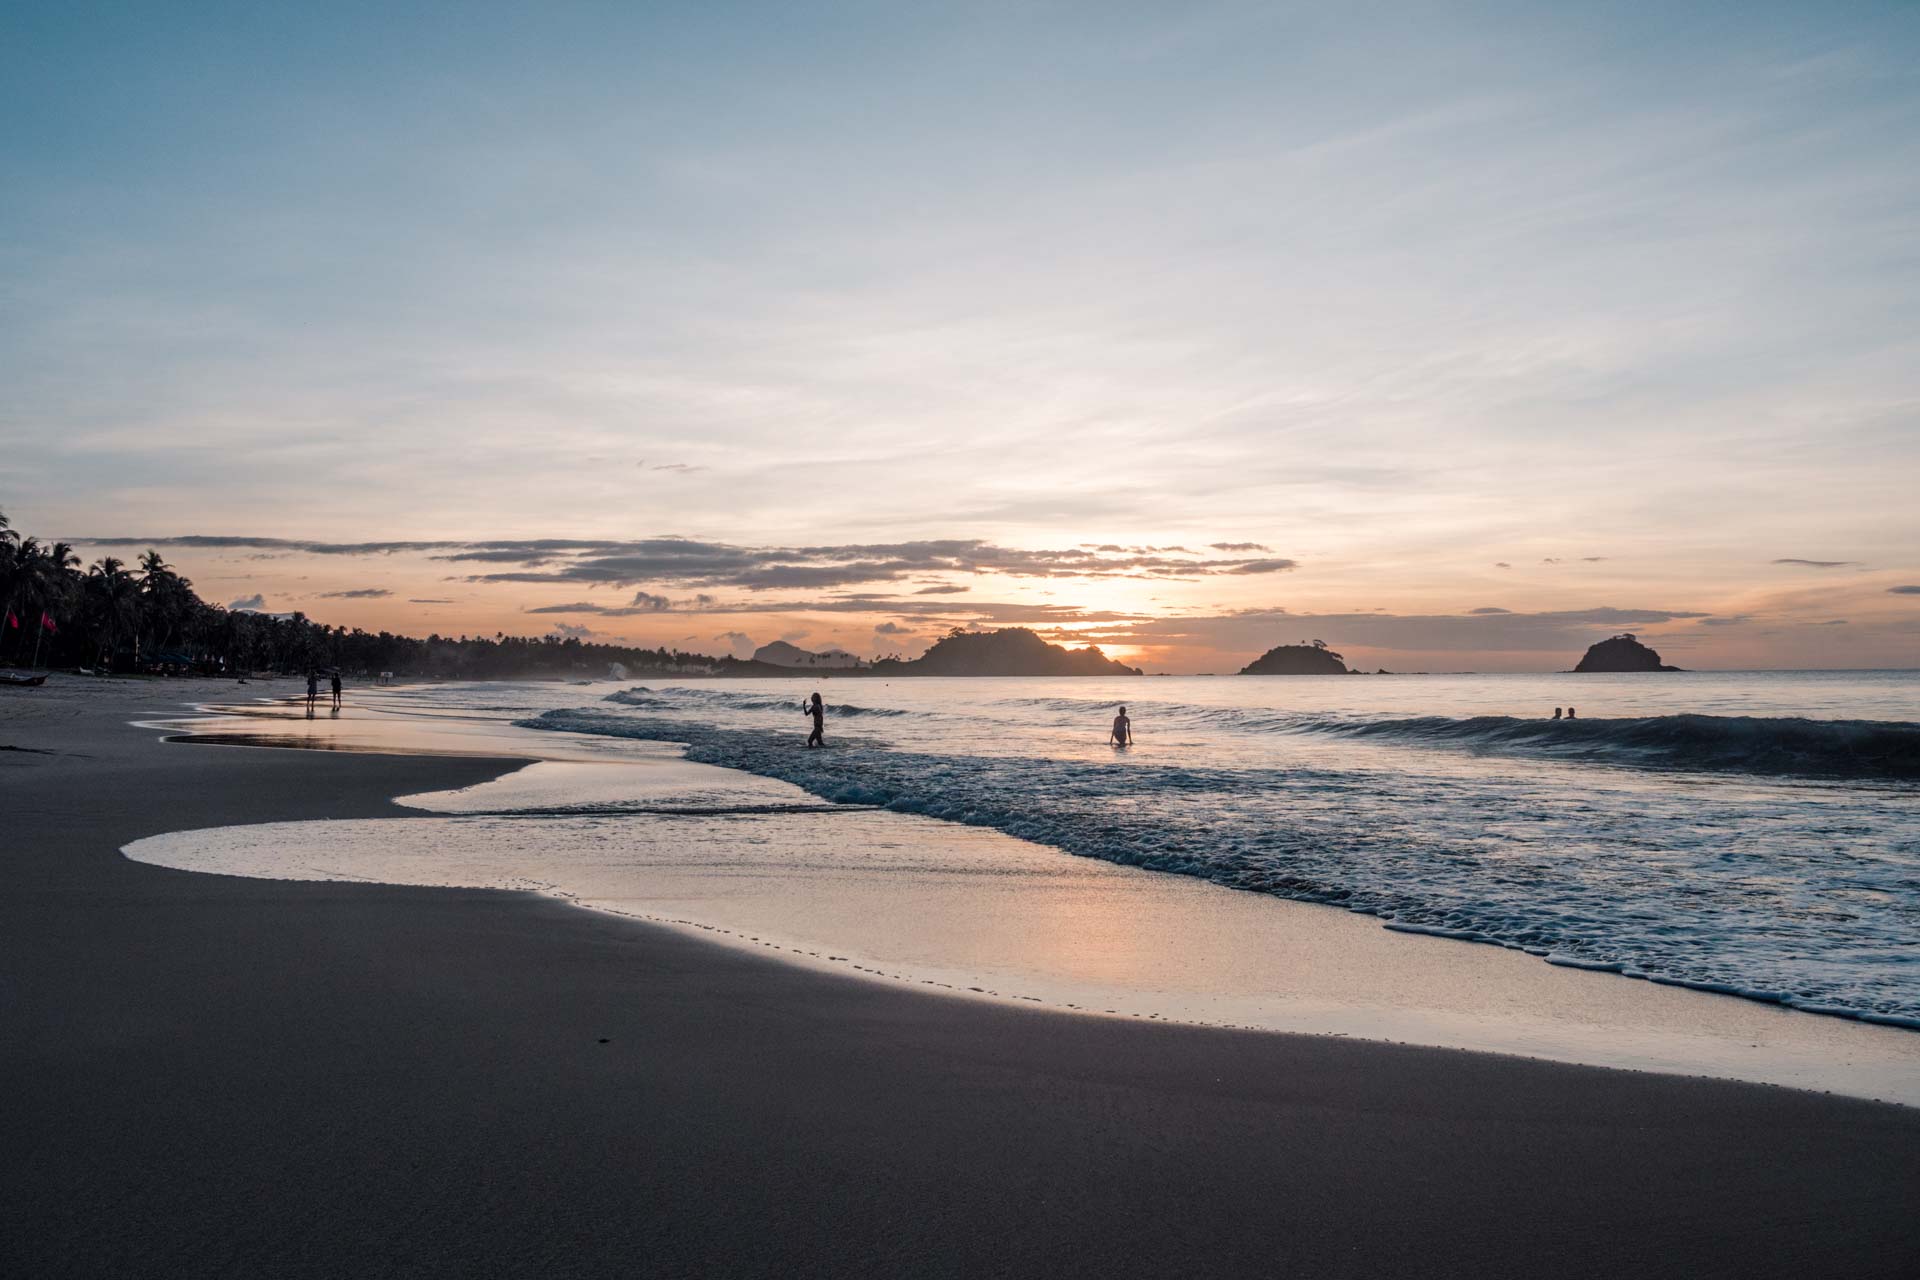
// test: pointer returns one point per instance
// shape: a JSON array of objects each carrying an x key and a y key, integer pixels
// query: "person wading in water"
[{"x": 814, "y": 708}]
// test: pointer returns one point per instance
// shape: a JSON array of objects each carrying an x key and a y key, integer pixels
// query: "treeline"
[{"x": 147, "y": 617}]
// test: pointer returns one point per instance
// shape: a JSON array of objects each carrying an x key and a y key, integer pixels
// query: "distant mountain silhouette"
[
  {"x": 1014, "y": 651},
  {"x": 781, "y": 654},
  {"x": 1621, "y": 653},
  {"x": 1297, "y": 660}
]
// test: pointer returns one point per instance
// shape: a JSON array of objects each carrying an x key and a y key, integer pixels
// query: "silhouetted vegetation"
[{"x": 149, "y": 618}]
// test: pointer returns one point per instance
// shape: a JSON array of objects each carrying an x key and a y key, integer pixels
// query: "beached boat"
[{"x": 22, "y": 678}]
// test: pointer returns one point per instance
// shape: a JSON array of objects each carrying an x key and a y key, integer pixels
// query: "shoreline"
[
  {"x": 216, "y": 1074},
  {"x": 1346, "y": 973},
  {"x": 1594, "y": 1023}
]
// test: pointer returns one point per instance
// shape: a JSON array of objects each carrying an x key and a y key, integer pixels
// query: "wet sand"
[
  {"x": 210, "y": 1075},
  {"x": 899, "y": 897}
]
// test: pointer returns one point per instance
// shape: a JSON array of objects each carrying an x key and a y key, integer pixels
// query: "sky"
[{"x": 1458, "y": 336}]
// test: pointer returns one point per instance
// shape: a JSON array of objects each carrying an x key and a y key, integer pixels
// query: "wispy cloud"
[
  {"x": 1817, "y": 564},
  {"x": 644, "y": 602},
  {"x": 363, "y": 593}
]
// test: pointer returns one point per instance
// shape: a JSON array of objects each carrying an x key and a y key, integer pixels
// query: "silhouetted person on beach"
[
  {"x": 313, "y": 688},
  {"x": 1569, "y": 713},
  {"x": 1122, "y": 735},
  {"x": 336, "y": 691},
  {"x": 814, "y": 708},
  {"x": 1556, "y": 713}
]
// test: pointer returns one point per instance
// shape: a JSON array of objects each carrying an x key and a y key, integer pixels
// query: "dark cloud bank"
[{"x": 690, "y": 562}]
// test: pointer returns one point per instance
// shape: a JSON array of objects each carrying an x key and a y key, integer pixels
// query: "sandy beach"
[{"x": 212, "y": 1075}]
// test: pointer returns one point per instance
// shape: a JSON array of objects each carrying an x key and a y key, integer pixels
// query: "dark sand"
[{"x": 210, "y": 1076}]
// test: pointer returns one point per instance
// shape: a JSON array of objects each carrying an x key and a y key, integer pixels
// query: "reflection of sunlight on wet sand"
[{"x": 372, "y": 723}]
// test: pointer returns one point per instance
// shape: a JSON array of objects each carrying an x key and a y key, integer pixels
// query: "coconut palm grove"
[{"x": 110, "y": 616}]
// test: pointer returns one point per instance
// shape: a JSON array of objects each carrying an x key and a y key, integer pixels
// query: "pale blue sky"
[{"x": 1400, "y": 292}]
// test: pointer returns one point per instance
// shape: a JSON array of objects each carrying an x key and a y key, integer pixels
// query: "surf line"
[{"x": 683, "y": 811}]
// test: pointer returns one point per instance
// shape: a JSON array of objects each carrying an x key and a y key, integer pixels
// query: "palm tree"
[
  {"x": 9, "y": 571},
  {"x": 38, "y": 580},
  {"x": 24, "y": 565},
  {"x": 62, "y": 571},
  {"x": 169, "y": 598},
  {"x": 113, "y": 599}
]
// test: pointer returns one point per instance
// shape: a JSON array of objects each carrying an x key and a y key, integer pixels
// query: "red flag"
[
  {"x": 46, "y": 621},
  {"x": 12, "y": 620}
]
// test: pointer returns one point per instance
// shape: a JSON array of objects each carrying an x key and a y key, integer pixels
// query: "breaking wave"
[
  {"x": 1802, "y": 899},
  {"x": 1747, "y": 744},
  {"x": 1781, "y": 745},
  {"x": 735, "y": 700}
]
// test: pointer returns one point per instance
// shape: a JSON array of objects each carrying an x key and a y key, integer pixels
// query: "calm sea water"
[{"x": 1752, "y": 833}]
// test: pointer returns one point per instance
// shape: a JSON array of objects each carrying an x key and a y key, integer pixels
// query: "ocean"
[{"x": 1756, "y": 834}]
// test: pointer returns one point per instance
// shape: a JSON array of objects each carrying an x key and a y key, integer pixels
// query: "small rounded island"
[
  {"x": 1297, "y": 660},
  {"x": 1621, "y": 653}
]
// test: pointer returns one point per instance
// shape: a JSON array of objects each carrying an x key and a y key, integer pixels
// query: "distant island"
[
  {"x": 1621, "y": 653},
  {"x": 781, "y": 654},
  {"x": 1313, "y": 659},
  {"x": 1013, "y": 651}
]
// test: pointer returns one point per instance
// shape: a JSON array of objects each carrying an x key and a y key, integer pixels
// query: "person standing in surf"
[
  {"x": 1122, "y": 735},
  {"x": 815, "y": 708}
]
